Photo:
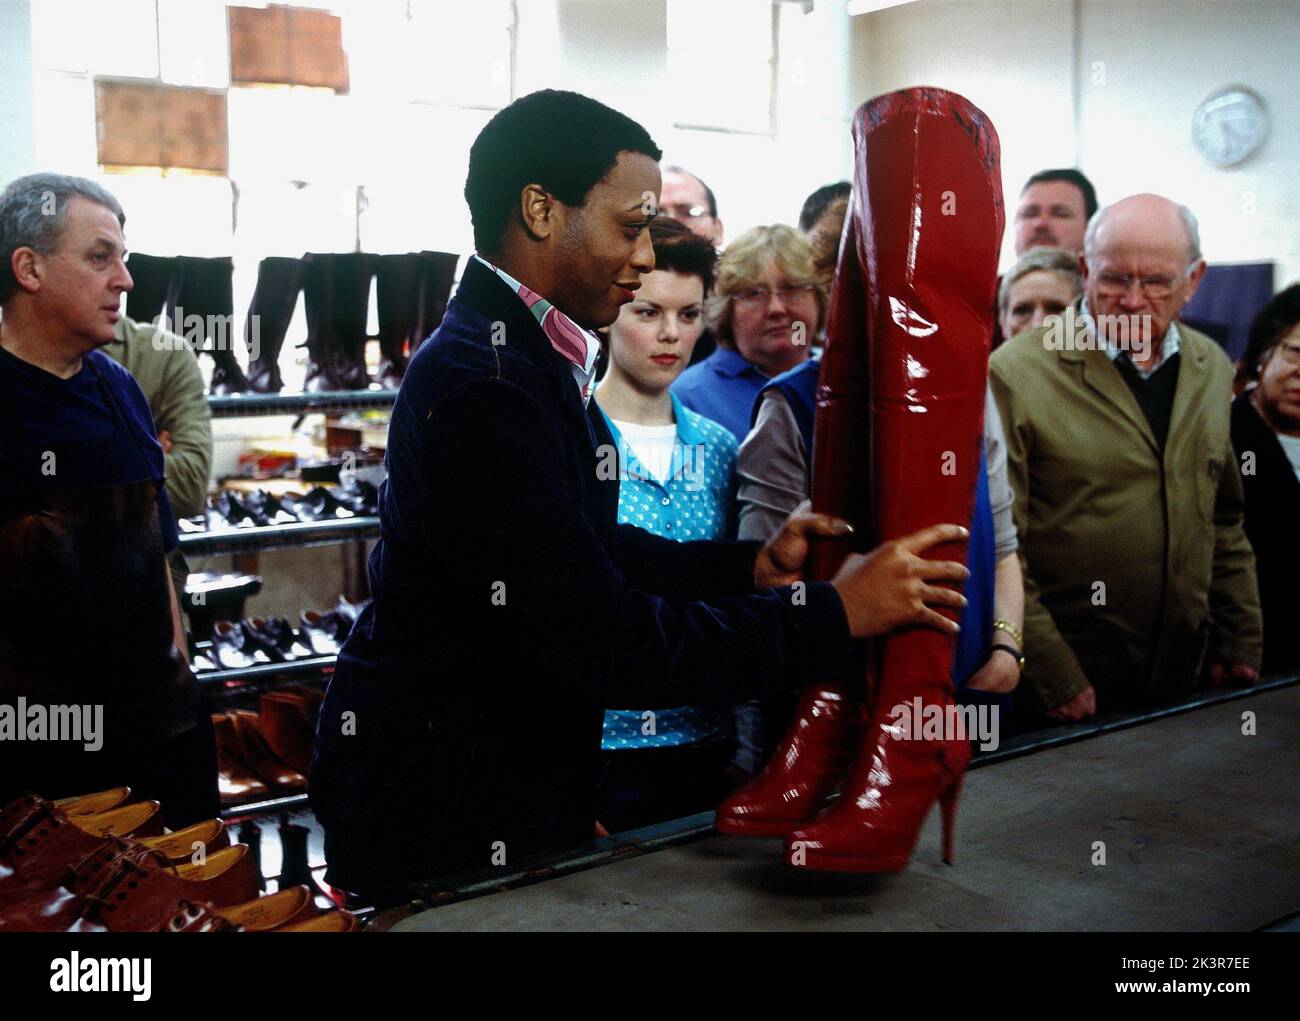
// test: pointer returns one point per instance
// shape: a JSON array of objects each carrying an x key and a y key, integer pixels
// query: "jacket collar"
[
  {"x": 1101, "y": 375},
  {"x": 515, "y": 328}
]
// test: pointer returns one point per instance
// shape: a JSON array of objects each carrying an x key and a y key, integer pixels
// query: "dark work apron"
[{"x": 85, "y": 613}]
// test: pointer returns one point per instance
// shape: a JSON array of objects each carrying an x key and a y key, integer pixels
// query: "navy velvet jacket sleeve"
[
  {"x": 531, "y": 576},
  {"x": 684, "y": 570}
]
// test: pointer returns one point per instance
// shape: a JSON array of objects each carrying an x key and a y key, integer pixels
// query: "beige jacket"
[{"x": 1135, "y": 563}]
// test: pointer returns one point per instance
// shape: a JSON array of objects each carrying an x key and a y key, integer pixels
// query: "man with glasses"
[
  {"x": 690, "y": 201},
  {"x": 1139, "y": 579}
]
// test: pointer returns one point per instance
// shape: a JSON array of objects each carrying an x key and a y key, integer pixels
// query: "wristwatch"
[
  {"x": 1011, "y": 629},
  {"x": 1015, "y": 653}
]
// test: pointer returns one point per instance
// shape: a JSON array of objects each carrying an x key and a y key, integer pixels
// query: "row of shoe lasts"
[
  {"x": 100, "y": 864},
  {"x": 266, "y": 753},
  {"x": 237, "y": 645},
  {"x": 230, "y": 509}
]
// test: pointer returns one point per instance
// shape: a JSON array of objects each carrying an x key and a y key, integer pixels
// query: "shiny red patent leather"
[
  {"x": 927, "y": 223},
  {"x": 896, "y": 448}
]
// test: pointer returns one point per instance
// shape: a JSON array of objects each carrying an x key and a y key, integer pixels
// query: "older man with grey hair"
[
  {"x": 1140, "y": 582},
  {"x": 88, "y": 611}
]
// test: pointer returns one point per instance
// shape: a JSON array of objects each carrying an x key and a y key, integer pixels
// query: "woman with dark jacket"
[{"x": 1266, "y": 435}]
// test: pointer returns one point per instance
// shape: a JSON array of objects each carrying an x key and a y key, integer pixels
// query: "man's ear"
[
  {"x": 540, "y": 211},
  {"x": 1083, "y": 268},
  {"x": 1194, "y": 279},
  {"x": 25, "y": 264},
  {"x": 718, "y": 233}
]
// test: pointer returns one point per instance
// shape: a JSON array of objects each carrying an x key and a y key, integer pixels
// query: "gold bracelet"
[{"x": 1011, "y": 629}]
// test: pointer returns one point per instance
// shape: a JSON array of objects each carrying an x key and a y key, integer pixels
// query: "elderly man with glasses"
[{"x": 1139, "y": 579}]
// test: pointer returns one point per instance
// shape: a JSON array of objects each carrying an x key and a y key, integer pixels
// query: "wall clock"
[{"x": 1230, "y": 125}]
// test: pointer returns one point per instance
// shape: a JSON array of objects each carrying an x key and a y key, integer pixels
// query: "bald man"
[{"x": 1140, "y": 582}]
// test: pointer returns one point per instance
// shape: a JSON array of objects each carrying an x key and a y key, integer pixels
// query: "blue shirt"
[
  {"x": 696, "y": 501},
  {"x": 55, "y": 414},
  {"x": 722, "y": 387}
]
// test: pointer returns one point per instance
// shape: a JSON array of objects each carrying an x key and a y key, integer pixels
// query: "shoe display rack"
[
  {"x": 227, "y": 688},
  {"x": 272, "y": 537},
  {"x": 298, "y": 533},
  {"x": 335, "y": 402}
]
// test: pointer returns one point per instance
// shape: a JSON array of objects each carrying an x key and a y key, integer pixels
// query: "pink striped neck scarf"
[{"x": 575, "y": 345}]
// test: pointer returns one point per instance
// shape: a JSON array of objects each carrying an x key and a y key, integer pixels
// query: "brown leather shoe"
[
  {"x": 334, "y": 921},
  {"x": 88, "y": 804},
  {"x": 288, "y": 723},
  {"x": 36, "y": 854},
  {"x": 235, "y": 779},
  {"x": 265, "y": 914},
  {"x": 20, "y": 808},
  {"x": 140, "y": 894},
  {"x": 53, "y": 909},
  {"x": 259, "y": 756}
]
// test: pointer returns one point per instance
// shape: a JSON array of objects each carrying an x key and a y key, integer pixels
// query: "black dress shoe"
[
  {"x": 320, "y": 632},
  {"x": 264, "y": 504},
  {"x": 318, "y": 505},
  {"x": 360, "y": 497},
  {"x": 235, "y": 512},
  {"x": 232, "y": 648},
  {"x": 277, "y": 638},
  {"x": 350, "y": 611}
]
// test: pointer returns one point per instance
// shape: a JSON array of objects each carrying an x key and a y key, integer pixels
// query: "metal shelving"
[
  {"x": 267, "y": 806},
  {"x": 261, "y": 673},
  {"x": 334, "y": 402},
  {"x": 270, "y": 537}
]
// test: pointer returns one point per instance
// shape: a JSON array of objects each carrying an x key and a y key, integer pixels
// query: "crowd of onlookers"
[
  {"x": 1142, "y": 493},
  {"x": 1143, "y": 501}
]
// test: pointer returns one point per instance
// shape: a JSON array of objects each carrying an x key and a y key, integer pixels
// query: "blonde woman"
[{"x": 766, "y": 312}]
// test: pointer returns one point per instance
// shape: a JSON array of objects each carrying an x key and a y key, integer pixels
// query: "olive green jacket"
[
  {"x": 1135, "y": 564},
  {"x": 168, "y": 373}
]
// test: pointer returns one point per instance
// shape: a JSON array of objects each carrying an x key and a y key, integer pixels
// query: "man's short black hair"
[
  {"x": 1070, "y": 176},
  {"x": 816, "y": 203},
  {"x": 563, "y": 141}
]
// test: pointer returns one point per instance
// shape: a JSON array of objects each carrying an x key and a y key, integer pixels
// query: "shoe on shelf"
[
  {"x": 84, "y": 804},
  {"x": 277, "y": 638},
  {"x": 259, "y": 756},
  {"x": 236, "y": 781},
  {"x": 56, "y": 906},
  {"x": 360, "y": 497},
  {"x": 332, "y": 921},
  {"x": 350, "y": 611},
  {"x": 233, "y": 648},
  {"x": 140, "y": 895},
  {"x": 269, "y": 508},
  {"x": 235, "y": 512},
  {"x": 288, "y": 722},
  {"x": 319, "y": 504},
  {"x": 265, "y": 914},
  {"x": 35, "y": 853},
  {"x": 320, "y": 632}
]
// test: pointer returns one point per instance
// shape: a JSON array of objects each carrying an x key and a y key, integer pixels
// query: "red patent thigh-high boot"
[
  {"x": 827, "y": 725},
  {"x": 928, "y": 203}
]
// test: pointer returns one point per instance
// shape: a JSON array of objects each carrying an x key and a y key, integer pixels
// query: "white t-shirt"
[
  {"x": 1290, "y": 447},
  {"x": 652, "y": 445}
]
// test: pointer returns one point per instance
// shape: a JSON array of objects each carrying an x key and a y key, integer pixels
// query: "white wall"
[
  {"x": 1161, "y": 58},
  {"x": 18, "y": 110},
  {"x": 1110, "y": 86}
]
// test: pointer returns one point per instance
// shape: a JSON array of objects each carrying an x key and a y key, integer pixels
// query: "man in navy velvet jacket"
[{"x": 462, "y": 726}]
